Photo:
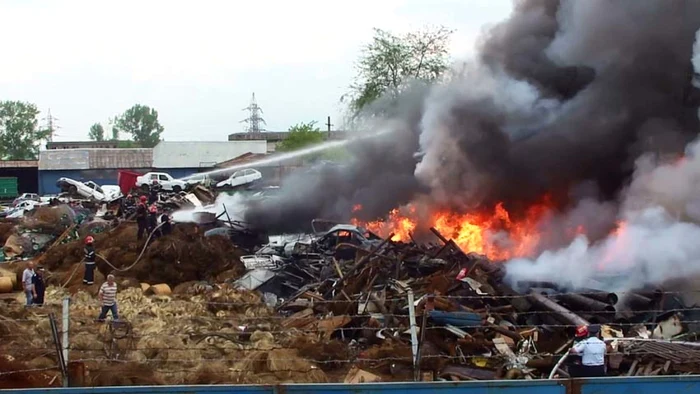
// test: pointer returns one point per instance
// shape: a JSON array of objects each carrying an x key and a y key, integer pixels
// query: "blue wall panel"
[{"x": 643, "y": 385}]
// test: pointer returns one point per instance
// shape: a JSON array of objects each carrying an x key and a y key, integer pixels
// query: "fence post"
[
  {"x": 414, "y": 335},
  {"x": 64, "y": 328}
]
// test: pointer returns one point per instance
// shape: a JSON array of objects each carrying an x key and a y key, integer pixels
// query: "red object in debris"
[
  {"x": 153, "y": 209},
  {"x": 581, "y": 331},
  {"x": 462, "y": 274},
  {"x": 127, "y": 180},
  {"x": 89, "y": 239}
]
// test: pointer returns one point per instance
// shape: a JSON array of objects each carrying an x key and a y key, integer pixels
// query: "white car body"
[
  {"x": 165, "y": 181},
  {"x": 90, "y": 189},
  {"x": 21, "y": 208},
  {"x": 241, "y": 177}
]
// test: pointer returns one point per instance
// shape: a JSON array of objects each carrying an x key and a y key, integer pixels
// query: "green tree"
[
  {"x": 97, "y": 132},
  {"x": 20, "y": 135},
  {"x": 300, "y": 136},
  {"x": 390, "y": 62},
  {"x": 142, "y": 123}
]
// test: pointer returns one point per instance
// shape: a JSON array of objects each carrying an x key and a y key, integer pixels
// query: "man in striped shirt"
[{"x": 108, "y": 298}]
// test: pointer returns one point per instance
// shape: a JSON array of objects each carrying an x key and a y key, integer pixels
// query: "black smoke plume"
[{"x": 562, "y": 93}]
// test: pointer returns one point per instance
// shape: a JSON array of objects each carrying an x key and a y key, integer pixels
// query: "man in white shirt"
[
  {"x": 592, "y": 351},
  {"x": 108, "y": 298},
  {"x": 27, "y": 283}
]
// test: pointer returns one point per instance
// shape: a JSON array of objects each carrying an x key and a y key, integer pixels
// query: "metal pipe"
[
  {"x": 565, "y": 314},
  {"x": 586, "y": 303},
  {"x": 636, "y": 301},
  {"x": 602, "y": 296}
]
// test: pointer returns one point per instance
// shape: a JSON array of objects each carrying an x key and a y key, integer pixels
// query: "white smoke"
[
  {"x": 234, "y": 205},
  {"x": 658, "y": 239}
]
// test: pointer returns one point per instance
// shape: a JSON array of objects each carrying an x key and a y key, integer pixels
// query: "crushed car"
[{"x": 89, "y": 190}]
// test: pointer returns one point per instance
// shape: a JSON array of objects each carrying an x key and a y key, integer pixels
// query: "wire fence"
[{"x": 215, "y": 339}]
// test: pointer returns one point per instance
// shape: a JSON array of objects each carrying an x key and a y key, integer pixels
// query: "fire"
[{"x": 492, "y": 232}]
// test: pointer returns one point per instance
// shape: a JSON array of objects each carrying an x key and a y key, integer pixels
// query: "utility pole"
[
  {"x": 254, "y": 120},
  {"x": 328, "y": 124}
]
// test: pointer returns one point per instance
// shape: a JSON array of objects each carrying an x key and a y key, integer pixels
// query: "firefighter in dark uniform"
[
  {"x": 141, "y": 216},
  {"x": 166, "y": 227},
  {"x": 89, "y": 277},
  {"x": 153, "y": 192},
  {"x": 152, "y": 220},
  {"x": 574, "y": 360}
]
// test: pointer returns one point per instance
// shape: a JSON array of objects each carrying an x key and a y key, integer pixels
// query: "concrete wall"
[
  {"x": 636, "y": 385},
  {"x": 47, "y": 179},
  {"x": 169, "y": 154}
]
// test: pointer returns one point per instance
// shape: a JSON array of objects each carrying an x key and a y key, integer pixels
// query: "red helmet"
[
  {"x": 153, "y": 209},
  {"x": 581, "y": 331},
  {"x": 129, "y": 196},
  {"x": 89, "y": 239},
  {"x": 143, "y": 198}
]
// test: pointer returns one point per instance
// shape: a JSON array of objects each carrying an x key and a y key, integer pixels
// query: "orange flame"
[{"x": 492, "y": 233}]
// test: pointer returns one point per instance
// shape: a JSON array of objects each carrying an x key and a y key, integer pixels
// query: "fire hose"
[{"x": 110, "y": 264}]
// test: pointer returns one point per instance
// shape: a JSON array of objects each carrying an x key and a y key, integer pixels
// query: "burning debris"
[{"x": 537, "y": 193}]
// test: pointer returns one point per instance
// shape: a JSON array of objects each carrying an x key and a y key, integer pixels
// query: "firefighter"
[
  {"x": 574, "y": 360},
  {"x": 141, "y": 216},
  {"x": 592, "y": 351},
  {"x": 89, "y": 276},
  {"x": 152, "y": 220},
  {"x": 166, "y": 227},
  {"x": 153, "y": 192}
]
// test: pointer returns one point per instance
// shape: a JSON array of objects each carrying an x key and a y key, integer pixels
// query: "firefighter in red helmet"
[
  {"x": 152, "y": 219},
  {"x": 89, "y": 276},
  {"x": 141, "y": 217}
]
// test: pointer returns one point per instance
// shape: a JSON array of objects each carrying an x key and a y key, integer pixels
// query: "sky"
[{"x": 198, "y": 62}]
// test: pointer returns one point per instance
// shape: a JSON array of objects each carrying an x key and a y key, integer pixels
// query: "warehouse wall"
[
  {"x": 47, "y": 179},
  {"x": 636, "y": 385},
  {"x": 27, "y": 178}
]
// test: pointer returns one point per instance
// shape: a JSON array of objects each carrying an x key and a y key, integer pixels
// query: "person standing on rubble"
[
  {"x": 153, "y": 192},
  {"x": 141, "y": 216},
  {"x": 166, "y": 227},
  {"x": 27, "y": 284},
  {"x": 108, "y": 299},
  {"x": 89, "y": 276},
  {"x": 592, "y": 351},
  {"x": 152, "y": 220},
  {"x": 39, "y": 286}
]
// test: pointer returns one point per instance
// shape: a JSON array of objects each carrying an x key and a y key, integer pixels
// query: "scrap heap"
[{"x": 323, "y": 310}]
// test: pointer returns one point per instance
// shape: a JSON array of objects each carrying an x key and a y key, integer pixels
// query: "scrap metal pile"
[{"x": 338, "y": 305}]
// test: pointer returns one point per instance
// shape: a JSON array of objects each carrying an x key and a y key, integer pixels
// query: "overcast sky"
[{"x": 198, "y": 62}]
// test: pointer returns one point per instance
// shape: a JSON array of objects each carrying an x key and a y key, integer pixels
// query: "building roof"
[
  {"x": 81, "y": 144},
  {"x": 86, "y": 159},
  {"x": 196, "y": 154},
  {"x": 18, "y": 163},
  {"x": 276, "y": 136}
]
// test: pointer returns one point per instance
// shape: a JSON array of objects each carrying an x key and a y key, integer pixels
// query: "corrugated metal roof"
[
  {"x": 85, "y": 159},
  {"x": 195, "y": 154},
  {"x": 18, "y": 163}
]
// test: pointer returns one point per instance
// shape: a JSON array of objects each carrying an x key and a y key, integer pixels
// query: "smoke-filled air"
[{"x": 561, "y": 147}]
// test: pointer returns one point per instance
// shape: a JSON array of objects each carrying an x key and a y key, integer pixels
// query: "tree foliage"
[
  {"x": 300, "y": 136},
  {"x": 390, "y": 62},
  {"x": 141, "y": 122},
  {"x": 20, "y": 134},
  {"x": 97, "y": 132}
]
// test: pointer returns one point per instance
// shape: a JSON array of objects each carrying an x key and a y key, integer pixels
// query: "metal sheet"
[
  {"x": 637, "y": 385},
  {"x": 66, "y": 159}
]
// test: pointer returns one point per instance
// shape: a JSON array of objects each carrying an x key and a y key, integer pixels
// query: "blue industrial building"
[{"x": 102, "y": 165}]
